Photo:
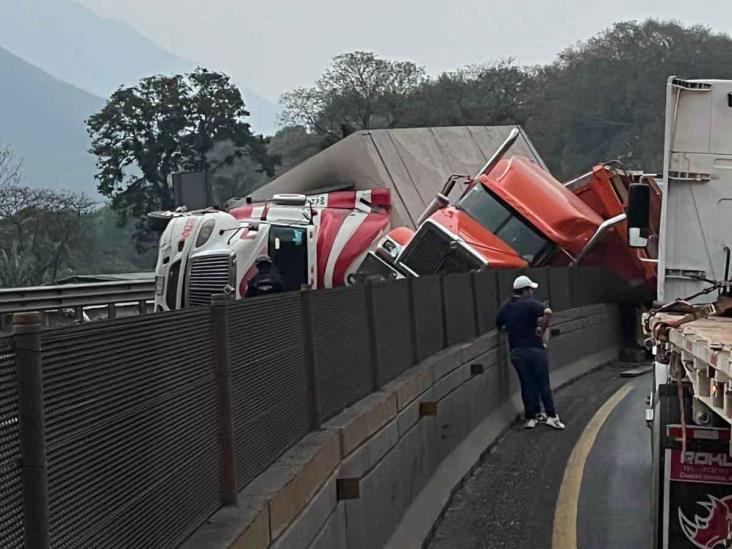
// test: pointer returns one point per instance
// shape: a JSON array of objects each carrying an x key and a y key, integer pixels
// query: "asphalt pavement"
[{"x": 510, "y": 498}]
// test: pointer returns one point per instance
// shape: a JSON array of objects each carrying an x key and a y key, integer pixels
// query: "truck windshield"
[{"x": 482, "y": 206}]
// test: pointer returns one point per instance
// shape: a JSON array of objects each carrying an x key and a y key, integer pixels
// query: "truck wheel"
[{"x": 667, "y": 412}]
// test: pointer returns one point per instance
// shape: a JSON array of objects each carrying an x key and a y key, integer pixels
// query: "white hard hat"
[{"x": 524, "y": 281}]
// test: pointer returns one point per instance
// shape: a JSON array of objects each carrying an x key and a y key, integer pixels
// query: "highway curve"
[{"x": 512, "y": 499}]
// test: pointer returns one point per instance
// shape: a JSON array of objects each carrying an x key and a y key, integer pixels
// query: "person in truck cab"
[
  {"x": 267, "y": 280},
  {"x": 527, "y": 322}
]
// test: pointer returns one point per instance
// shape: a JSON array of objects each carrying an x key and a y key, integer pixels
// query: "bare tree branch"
[
  {"x": 10, "y": 173},
  {"x": 39, "y": 229}
]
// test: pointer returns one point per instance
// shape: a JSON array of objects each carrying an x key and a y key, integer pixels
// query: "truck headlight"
[
  {"x": 205, "y": 233},
  {"x": 159, "y": 285}
]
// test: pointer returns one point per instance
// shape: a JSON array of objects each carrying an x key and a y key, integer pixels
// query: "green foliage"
[
  {"x": 357, "y": 91},
  {"x": 601, "y": 99},
  {"x": 162, "y": 125},
  {"x": 40, "y": 232},
  {"x": 46, "y": 235},
  {"x": 109, "y": 247},
  {"x": 605, "y": 98},
  {"x": 293, "y": 144},
  {"x": 481, "y": 95},
  {"x": 234, "y": 173}
]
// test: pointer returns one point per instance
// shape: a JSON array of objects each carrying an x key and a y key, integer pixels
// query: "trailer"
[{"x": 690, "y": 397}]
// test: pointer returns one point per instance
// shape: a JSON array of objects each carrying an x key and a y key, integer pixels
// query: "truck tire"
[{"x": 667, "y": 412}]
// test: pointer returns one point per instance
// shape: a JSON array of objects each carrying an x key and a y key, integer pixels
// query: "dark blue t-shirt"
[{"x": 519, "y": 316}]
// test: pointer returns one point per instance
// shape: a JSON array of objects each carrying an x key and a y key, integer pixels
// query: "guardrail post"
[
  {"x": 226, "y": 414},
  {"x": 27, "y": 339},
  {"x": 311, "y": 374}
]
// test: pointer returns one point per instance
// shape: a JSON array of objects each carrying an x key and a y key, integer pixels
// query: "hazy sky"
[{"x": 275, "y": 45}]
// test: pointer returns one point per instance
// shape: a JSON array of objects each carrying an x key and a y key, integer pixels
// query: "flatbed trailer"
[
  {"x": 690, "y": 414},
  {"x": 704, "y": 350}
]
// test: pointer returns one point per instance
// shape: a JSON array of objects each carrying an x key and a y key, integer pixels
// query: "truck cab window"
[
  {"x": 480, "y": 204},
  {"x": 486, "y": 210},
  {"x": 289, "y": 252},
  {"x": 524, "y": 240}
]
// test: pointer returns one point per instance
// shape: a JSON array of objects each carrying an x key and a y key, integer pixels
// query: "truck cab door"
[{"x": 288, "y": 249}]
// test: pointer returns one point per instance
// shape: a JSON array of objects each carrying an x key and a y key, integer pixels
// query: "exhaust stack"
[{"x": 500, "y": 153}]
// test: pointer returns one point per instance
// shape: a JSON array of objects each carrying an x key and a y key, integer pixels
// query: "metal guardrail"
[{"x": 45, "y": 298}]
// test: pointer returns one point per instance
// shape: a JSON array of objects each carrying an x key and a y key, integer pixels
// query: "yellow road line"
[{"x": 565, "y": 513}]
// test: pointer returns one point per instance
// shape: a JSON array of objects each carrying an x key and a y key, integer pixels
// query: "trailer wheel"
[{"x": 667, "y": 412}]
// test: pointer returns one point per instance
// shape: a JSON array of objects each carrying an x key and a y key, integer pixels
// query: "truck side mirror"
[{"x": 639, "y": 201}]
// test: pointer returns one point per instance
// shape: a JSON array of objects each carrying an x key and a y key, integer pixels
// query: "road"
[{"x": 585, "y": 487}]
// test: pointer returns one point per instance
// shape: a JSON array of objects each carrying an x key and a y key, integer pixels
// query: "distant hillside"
[
  {"x": 98, "y": 54},
  {"x": 42, "y": 119}
]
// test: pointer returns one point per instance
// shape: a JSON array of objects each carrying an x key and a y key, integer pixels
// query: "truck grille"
[
  {"x": 431, "y": 252},
  {"x": 209, "y": 275}
]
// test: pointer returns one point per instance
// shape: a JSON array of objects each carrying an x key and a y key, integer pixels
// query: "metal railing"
[
  {"x": 44, "y": 298},
  {"x": 64, "y": 304}
]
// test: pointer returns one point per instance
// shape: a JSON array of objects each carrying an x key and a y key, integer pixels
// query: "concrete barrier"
[{"x": 380, "y": 473}]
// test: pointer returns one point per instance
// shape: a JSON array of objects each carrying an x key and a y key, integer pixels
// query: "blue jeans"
[{"x": 532, "y": 367}]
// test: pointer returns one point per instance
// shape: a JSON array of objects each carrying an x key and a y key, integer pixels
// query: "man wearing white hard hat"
[{"x": 527, "y": 322}]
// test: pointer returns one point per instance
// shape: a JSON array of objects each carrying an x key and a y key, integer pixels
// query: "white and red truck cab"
[{"x": 316, "y": 241}]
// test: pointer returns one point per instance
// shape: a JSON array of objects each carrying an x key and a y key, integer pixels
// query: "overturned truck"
[
  {"x": 375, "y": 206},
  {"x": 317, "y": 221}
]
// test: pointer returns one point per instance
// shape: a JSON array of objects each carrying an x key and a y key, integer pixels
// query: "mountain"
[
  {"x": 98, "y": 54},
  {"x": 42, "y": 119}
]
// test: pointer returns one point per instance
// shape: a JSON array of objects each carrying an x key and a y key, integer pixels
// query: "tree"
[
  {"x": 40, "y": 231},
  {"x": 162, "y": 125},
  {"x": 480, "y": 95},
  {"x": 233, "y": 174},
  {"x": 357, "y": 91},
  {"x": 109, "y": 247},
  {"x": 604, "y": 98},
  {"x": 9, "y": 167},
  {"x": 294, "y": 144}
]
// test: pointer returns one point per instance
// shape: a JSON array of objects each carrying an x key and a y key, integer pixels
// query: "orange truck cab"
[{"x": 518, "y": 215}]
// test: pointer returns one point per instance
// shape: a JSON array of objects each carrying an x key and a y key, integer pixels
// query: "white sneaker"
[
  {"x": 541, "y": 417},
  {"x": 530, "y": 424},
  {"x": 554, "y": 422}
]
